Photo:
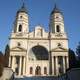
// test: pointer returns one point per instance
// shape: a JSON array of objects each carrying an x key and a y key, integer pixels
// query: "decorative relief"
[
  {"x": 19, "y": 34},
  {"x": 39, "y": 32},
  {"x": 59, "y": 45},
  {"x": 58, "y": 35}
]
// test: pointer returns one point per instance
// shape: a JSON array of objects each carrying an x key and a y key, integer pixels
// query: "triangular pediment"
[
  {"x": 18, "y": 49},
  {"x": 59, "y": 49}
]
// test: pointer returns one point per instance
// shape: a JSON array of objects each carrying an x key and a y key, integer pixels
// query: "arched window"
[
  {"x": 38, "y": 70},
  {"x": 45, "y": 70},
  {"x": 57, "y": 28},
  {"x": 31, "y": 70},
  {"x": 20, "y": 28},
  {"x": 20, "y": 17},
  {"x": 18, "y": 44}
]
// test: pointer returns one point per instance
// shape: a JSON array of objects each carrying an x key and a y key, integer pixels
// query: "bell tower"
[
  {"x": 56, "y": 21},
  {"x": 21, "y": 21}
]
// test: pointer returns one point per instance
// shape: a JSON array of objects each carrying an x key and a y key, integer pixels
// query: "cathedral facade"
[{"x": 38, "y": 53}]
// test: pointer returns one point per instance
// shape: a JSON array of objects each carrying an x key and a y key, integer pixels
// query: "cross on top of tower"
[
  {"x": 23, "y": 7},
  {"x": 56, "y": 9}
]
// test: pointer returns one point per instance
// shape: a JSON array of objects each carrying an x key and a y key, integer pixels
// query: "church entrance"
[{"x": 38, "y": 71}]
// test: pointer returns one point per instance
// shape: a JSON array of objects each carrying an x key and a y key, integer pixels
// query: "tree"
[
  {"x": 6, "y": 56},
  {"x": 78, "y": 50},
  {"x": 78, "y": 55},
  {"x": 1, "y": 63},
  {"x": 72, "y": 59}
]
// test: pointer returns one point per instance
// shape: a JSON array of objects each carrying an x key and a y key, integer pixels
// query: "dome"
[
  {"x": 56, "y": 10},
  {"x": 22, "y": 9}
]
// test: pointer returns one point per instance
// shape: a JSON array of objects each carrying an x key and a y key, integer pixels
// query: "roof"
[
  {"x": 56, "y": 10},
  {"x": 22, "y": 9},
  {"x": 18, "y": 49},
  {"x": 59, "y": 49}
]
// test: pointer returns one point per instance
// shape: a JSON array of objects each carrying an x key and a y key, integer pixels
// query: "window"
[
  {"x": 18, "y": 44},
  {"x": 20, "y": 28},
  {"x": 58, "y": 28},
  {"x": 31, "y": 70},
  {"x": 45, "y": 70},
  {"x": 21, "y": 17},
  {"x": 57, "y": 17}
]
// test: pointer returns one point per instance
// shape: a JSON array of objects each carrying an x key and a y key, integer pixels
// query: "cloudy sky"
[{"x": 39, "y": 13}]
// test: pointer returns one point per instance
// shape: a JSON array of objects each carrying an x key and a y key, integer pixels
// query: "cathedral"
[{"x": 38, "y": 53}]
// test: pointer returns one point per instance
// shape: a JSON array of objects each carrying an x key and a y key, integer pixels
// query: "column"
[
  {"x": 13, "y": 63},
  {"x": 67, "y": 62},
  {"x": 53, "y": 65},
  {"x": 64, "y": 64},
  {"x": 20, "y": 63},
  {"x": 24, "y": 64},
  {"x": 9, "y": 61},
  {"x": 56, "y": 65}
]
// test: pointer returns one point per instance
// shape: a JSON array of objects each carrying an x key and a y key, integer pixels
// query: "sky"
[{"x": 39, "y": 13}]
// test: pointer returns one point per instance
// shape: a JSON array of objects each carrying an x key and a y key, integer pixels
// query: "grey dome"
[
  {"x": 56, "y": 10},
  {"x": 22, "y": 9}
]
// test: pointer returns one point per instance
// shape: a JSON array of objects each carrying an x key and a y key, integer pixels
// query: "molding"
[
  {"x": 20, "y": 49},
  {"x": 41, "y": 38},
  {"x": 59, "y": 49}
]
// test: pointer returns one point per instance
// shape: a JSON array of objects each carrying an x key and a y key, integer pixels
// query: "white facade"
[{"x": 38, "y": 52}]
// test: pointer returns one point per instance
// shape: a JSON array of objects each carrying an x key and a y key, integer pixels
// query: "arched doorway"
[{"x": 38, "y": 70}]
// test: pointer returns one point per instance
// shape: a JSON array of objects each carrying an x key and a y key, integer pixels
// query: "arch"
[
  {"x": 38, "y": 70},
  {"x": 45, "y": 70},
  {"x": 20, "y": 28},
  {"x": 31, "y": 70},
  {"x": 38, "y": 53},
  {"x": 57, "y": 28}
]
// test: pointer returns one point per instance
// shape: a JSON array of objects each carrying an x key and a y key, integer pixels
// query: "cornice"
[{"x": 41, "y": 38}]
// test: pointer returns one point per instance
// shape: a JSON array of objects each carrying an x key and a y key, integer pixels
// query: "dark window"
[
  {"x": 58, "y": 28},
  {"x": 21, "y": 17},
  {"x": 19, "y": 44},
  {"x": 45, "y": 70},
  {"x": 31, "y": 70},
  {"x": 20, "y": 28}
]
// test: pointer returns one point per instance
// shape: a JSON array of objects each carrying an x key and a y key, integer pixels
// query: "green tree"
[
  {"x": 1, "y": 63},
  {"x": 6, "y": 56},
  {"x": 72, "y": 59},
  {"x": 78, "y": 50}
]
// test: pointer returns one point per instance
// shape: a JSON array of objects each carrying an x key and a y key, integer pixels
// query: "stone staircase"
[{"x": 38, "y": 78}]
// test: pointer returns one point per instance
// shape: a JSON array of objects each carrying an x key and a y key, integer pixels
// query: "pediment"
[
  {"x": 59, "y": 49},
  {"x": 18, "y": 49}
]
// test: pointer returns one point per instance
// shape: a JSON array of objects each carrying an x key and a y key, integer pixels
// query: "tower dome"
[
  {"x": 22, "y": 9},
  {"x": 56, "y": 10}
]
